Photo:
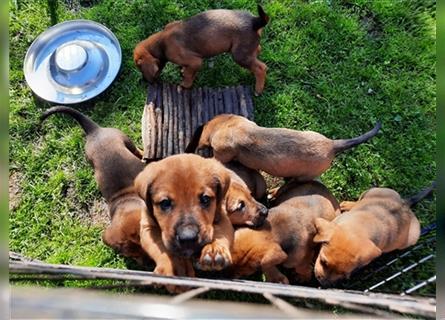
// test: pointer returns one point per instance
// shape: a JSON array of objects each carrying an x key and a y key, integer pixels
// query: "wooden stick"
[
  {"x": 158, "y": 111},
  {"x": 242, "y": 100},
  {"x": 170, "y": 122},
  {"x": 165, "y": 120},
  {"x": 193, "y": 110},
  {"x": 228, "y": 103},
  {"x": 175, "y": 119},
  {"x": 249, "y": 102},
  {"x": 236, "y": 108},
  {"x": 187, "y": 117},
  {"x": 181, "y": 124},
  {"x": 199, "y": 112},
  {"x": 418, "y": 306}
]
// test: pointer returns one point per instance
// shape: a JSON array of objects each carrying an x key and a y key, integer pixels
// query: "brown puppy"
[
  {"x": 116, "y": 162},
  {"x": 186, "y": 215},
  {"x": 303, "y": 155},
  {"x": 286, "y": 237},
  {"x": 254, "y": 180},
  {"x": 380, "y": 221},
  {"x": 204, "y": 35},
  {"x": 241, "y": 206}
]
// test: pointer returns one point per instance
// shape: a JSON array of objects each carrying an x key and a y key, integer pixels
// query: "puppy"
[
  {"x": 187, "y": 43},
  {"x": 116, "y": 162},
  {"x": 380, "y": 221},
  {"x": 186, "y": 217},
  {"x": 253, "y": 179},
  {"x": 303, "y": 155},
  {"x": 286, "y": 236},
  {"x": 241, "y": 206}
]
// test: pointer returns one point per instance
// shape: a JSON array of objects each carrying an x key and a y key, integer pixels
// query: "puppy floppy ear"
[
  {"x": 142, "y": 184},
  {"x": 222, "y": 183},
  {"x": 369, "y": 251},
  {"x": 325, "y": 230}
]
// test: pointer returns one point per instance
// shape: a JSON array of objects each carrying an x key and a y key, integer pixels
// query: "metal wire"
[{"x": 420, "y": 285}]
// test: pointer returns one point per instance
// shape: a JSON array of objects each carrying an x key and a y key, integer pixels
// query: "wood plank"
[
  {"x": 159, "y": 114},
  {"x": 170, "y": 122},
  {"x": 205, "y": 105},
  {"x": 164, "y": 120},
  {"x": 187, "y": 118},
  {"x": 181, "y": 120},
  {"x": 199, "y": 111},
  {"x": 235, "y": 100},
  {"x": 249, "y": 102},
  {"x": 228, "y": 102},
  {"x": 174, "y": 128},
  {"x": 242, "y": 101}
]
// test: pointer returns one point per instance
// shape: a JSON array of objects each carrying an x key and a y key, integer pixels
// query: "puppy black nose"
[
  {"x": 264, "y": 211},
  {"x": 187, "y": 234}
]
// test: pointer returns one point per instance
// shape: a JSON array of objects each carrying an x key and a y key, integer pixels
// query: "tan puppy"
[
  {"x": 380, "y": 221},
  {"x": 116, "y": 162},
  {"x": 286, "y": 236},
  {"x": 187, "y": 43},
  {"x": 254, "y": 180},
  {"x": 303, "y": 155},
  {"x": 186, "y": 216},
  {"x": 242, "y": 208}
]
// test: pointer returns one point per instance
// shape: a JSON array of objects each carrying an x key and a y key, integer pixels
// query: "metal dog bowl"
[{"x": 72, "y": 62}]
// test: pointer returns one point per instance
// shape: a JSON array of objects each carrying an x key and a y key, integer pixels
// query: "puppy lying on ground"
[
  {"x": 380, "y": 221},
  {"x": 253, "y": 179},
  {"x": 116, "y": 162},
  {"x": 204, "y": 35},
  {"x": 303, "y": 155},
  {"x": 241, "y": 206},
  {"x": 286, "y": 236},
  {"x": 186, "y": 216}
]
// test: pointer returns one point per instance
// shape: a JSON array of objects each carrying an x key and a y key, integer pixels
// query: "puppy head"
[
  {"x": 381, "y": 193},
  {"x": 184, "y": 194},
  {"x": 341, "y": 252},
  {"x": 150, "y": 66},
  {"x": 241, "y": 207}
]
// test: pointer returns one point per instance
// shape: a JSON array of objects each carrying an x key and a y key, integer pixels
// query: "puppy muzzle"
[{"x": 187, "y": 241}]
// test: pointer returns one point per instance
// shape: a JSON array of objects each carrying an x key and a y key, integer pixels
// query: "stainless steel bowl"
[{"x": 72, "y": 62}]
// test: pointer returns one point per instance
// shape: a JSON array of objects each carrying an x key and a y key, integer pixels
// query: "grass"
[{"x": 335, "y": 67}]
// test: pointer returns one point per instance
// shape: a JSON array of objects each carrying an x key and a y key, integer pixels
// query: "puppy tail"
[
  {"x": 345, "y": 144},
  {"x": 412, "y": 201},
  {"x": 262, "y": 20},
  {"x": 86, "y": 123},
  {"x": 193, "y": 144}
]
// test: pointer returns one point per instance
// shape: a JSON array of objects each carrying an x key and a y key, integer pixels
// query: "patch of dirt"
[
  {"x": 99, "y": 212},
  {"x": 15, "y": 191},
  {"x": 372, "y": 25}
]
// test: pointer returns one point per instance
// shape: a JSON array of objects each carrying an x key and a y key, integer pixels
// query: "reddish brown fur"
[
  {"x": 186, "y": 43},
  {"x": 380, "y": 221},
  {"x": 286, "y": 237},
  {"x": 281, "y": 152},
  {"x": 183, "y": 181}
]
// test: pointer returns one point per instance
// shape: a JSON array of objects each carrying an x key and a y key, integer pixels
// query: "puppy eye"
[
  {"x": 165, "y": 204},
  {"x": 241, "y": 205},
  {"x": 204, "y": 200}
]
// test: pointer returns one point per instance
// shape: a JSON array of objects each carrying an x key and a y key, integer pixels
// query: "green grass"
[{"x": 335, "y": 67}]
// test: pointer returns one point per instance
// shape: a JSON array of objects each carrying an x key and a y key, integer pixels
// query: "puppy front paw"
[
  {"x": 214, "y": 257},
  {"x": 346, "y": 205},
  {"x": 277, "y": 277},
  {"x": 168, "y": 268}
]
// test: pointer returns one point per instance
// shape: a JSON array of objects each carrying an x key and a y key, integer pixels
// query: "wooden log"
[
  {"x": 181, "y": 121},
  {"x": 187, "y": 118},
  {"x": 199, "y": 112},
  {"x": 228, "y": 102},
  {"x": 235, "y": 100},
  {"x": 242, "y": 100},
  {"x": 158, "y": 111},
  {"x": 170, "y": 122},
  {"x": 165, "y": 120},
  {"x": 174, "y": 128},
  {"x": 221, "y": 108},
  {"x": 151, "y": 93},
  {"x": 193, "y": 110},
  {"x": 249, "y": 102},
  {"x": 152, "y": 122}
]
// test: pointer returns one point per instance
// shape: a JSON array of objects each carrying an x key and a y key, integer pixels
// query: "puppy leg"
[
  {"x": 167, "y": 265},
  {"x": 271, "y": 259},
  {"x": 347, "y": 205},
  {"x": 189, "y": 71},
  {"x": 216, "y": 255}
]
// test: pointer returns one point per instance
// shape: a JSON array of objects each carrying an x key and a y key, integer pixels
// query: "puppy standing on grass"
[
  {"x": 205, "y": 35},
  {"x": 380, "y": 221},
  {"x": 286, "y": 236},
  {"x": 116, "y": 162},
  {"x": 303, "y": 155}
]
